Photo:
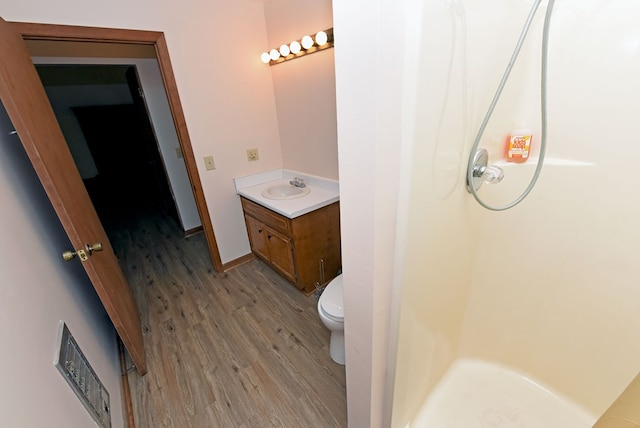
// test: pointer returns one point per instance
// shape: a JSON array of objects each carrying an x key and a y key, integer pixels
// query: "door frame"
[{"x": 33, "y": 31}]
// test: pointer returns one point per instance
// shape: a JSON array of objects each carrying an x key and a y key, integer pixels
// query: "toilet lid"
[{"x": 332, "y": 299}]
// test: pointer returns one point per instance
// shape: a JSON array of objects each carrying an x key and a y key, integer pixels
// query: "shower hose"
[{"x": 543, "y": 106}]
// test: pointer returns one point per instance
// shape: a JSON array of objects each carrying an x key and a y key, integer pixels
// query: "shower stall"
[
  {"x": 549, "y": 289},
  {"x": 547, "y": 292}
]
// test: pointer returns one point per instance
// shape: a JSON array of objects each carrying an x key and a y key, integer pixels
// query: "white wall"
[
  {"x": 39, "y": 289},
  {"x": 548, "y": 287},
  {"x": 165, "y": 131},
  {"x": 371, "y": 137}
]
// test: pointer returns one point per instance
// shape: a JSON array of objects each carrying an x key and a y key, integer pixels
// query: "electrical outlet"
[
  {"x": 208, "y": 163},
  {"x": 252, "y": 155}
]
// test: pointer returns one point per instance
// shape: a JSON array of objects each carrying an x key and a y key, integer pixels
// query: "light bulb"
[
  {"x": 265, "y": 57},
  {"x": 307, "y": 42},
  {"x": 274, "y": 54},
  {"x": 321, "y": 38},
  {"x": 284, "y": 50},
  {"x": 295, "y": 47}
]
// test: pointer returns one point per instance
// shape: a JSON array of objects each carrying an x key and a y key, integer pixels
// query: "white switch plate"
[
  {"x": 208, "y": 163},
  {"x": 178, "y": 153}
]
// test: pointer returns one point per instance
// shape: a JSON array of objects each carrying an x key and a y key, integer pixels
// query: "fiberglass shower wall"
[{"x": 549, "y": 288}]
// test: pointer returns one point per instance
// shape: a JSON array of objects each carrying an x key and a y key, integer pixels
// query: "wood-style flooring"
[{"x": 238, "y": 349}]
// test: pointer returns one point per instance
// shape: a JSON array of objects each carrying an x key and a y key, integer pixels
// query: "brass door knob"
[
  {"x": 68, "y": 255},
  {"x": 83, "y": 253},
  {"x": 95, "y": 247}
]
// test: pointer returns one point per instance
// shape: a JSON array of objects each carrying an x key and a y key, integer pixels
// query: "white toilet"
[{"x": 331, "y": 310}]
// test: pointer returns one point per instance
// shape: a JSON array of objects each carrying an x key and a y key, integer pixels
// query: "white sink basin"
[{"x": 285, "y": 191}]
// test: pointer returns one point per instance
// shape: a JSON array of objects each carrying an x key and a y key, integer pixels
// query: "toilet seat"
[
  {"x": 332, "y": 300},
  {"x": 331, "y": 317}
]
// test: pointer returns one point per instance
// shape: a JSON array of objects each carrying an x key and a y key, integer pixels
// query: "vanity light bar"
[{"x": 306, "y": 45}]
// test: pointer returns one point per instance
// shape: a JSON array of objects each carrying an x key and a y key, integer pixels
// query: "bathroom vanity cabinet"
[{"x": 305, "y": 250}]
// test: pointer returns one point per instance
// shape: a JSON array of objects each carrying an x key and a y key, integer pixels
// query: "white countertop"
[{"x": 323, "y": 192}]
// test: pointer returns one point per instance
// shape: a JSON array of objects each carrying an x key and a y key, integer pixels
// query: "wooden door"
[{"x": 28, "y": 108}]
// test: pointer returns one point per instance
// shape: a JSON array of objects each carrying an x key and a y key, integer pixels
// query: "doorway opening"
[
  {"x": 128, "y": 165},
  {"x": 116, "y": 42}
]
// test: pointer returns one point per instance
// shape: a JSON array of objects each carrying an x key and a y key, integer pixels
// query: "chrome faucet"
[{"x": 297, "y": 182}]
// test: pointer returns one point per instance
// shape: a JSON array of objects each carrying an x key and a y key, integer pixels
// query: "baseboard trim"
[
  {"x": 238, "y": 262},
  {"x": 126, "y": 391},
  {"x": 194, "y": 231}
]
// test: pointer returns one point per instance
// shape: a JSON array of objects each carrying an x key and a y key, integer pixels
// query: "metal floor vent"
[{"x": 73, "y": 365}]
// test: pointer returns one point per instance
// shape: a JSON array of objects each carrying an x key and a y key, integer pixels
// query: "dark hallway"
[
  {"x": 115, "y": 146},
  {"x": 131, "y": 181}
]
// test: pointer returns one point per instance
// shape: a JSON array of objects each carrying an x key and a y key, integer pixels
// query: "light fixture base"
[{"x": 296, "y": 49}]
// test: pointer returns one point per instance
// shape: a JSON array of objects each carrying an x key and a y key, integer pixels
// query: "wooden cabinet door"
[
  {"x": 281, "y": 253},
  {"x": 257, "y": 237}
]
